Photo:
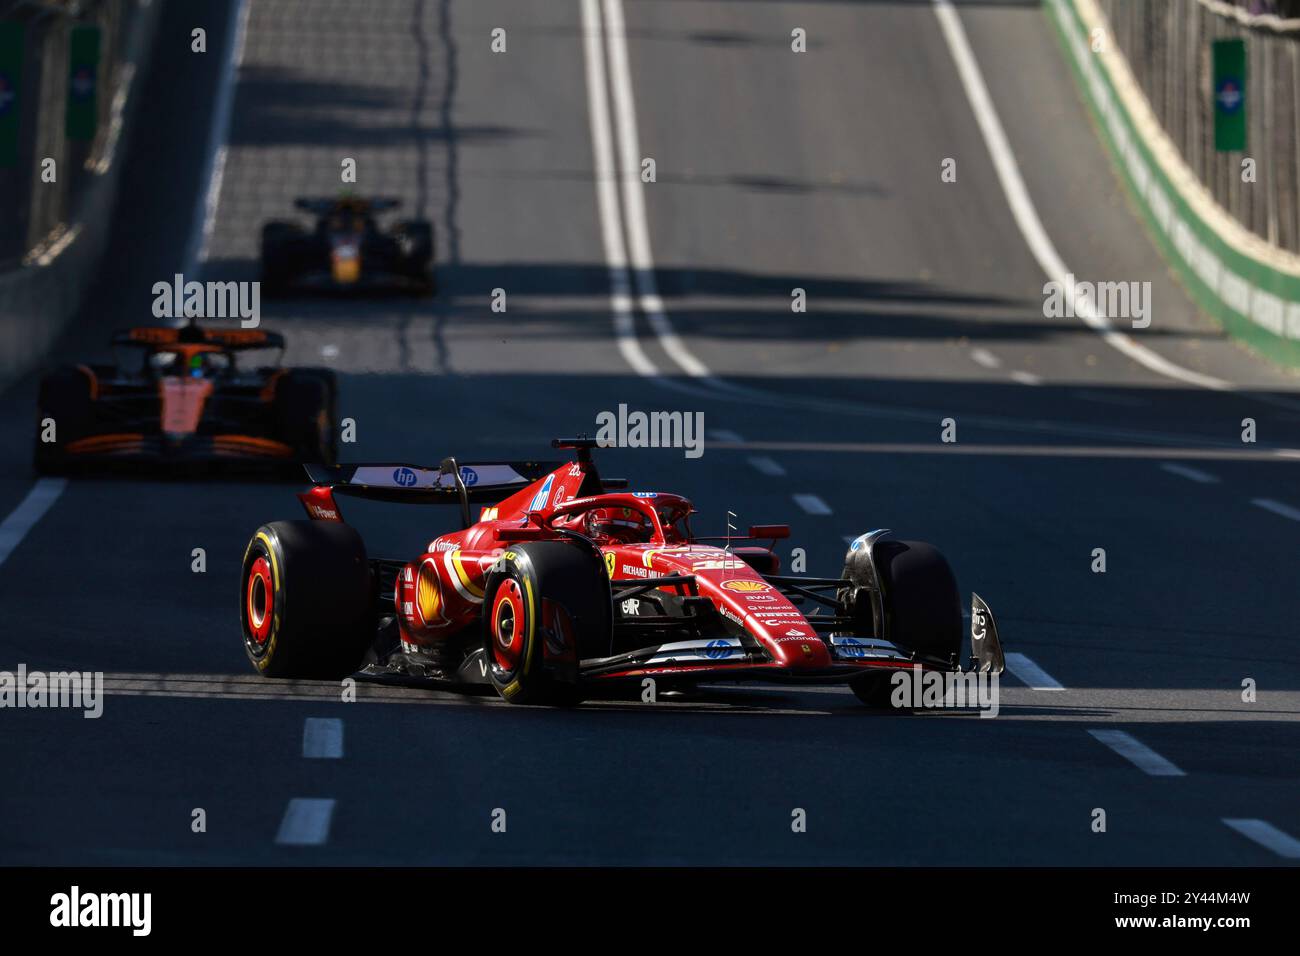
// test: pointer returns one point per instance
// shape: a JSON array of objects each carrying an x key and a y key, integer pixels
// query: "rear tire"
[
  {"x": 306, "y": 600},
  {"x": 66, "y": 397},
  {"x": 278, "y": 261},
  {"x": 547, "y": 607},
  {"x": 305, "y": 402},
  {"x": 415, "y": 240}
]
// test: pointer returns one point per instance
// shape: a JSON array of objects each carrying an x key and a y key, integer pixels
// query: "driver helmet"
[{"x": 620, "y": 525}]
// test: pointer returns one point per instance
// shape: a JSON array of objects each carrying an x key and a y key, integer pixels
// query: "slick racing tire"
[
  {"x": 278, "y": 239},
  {"x": 66, "y": 398},
  {"x": 545, "y": 607},
  {"x": 874, "y": 688},
  {"x": 306, "y": 604},
  {"x": 922, "y": 605},
  {"x": 304, "y": 408},
  {"x": 416, "y": 250}
]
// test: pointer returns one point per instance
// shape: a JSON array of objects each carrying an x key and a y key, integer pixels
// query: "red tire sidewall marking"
[
  {"x": 508, "y": 655},
  {"x": 259, "y": 628}
]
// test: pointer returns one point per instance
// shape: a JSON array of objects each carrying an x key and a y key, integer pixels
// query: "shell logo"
[
  {"x": 746, "y": 587},
  {"x": 428, "y": 596}
]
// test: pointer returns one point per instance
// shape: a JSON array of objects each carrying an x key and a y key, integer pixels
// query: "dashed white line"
[
  {"x": 22, "y": 519},
  {"x": 1030, "y": 674},
  {"x": 306, "y": 822},
  {"x": 322, "y": 738},
  {"x": 1277, "y": 507},
  {"x": 1026, "y": 216},
  {"x": 812, "y": 504},
  {"x": 725, "y": 434},
  {"x": 1137, "y": 753},
  {"x": 768, "y": 466},
  {"x": 1026, "y": 378},
  {"x": 1268, "y": 836},
  {"x": 986, "y": 358},
  {"x": 1191, "y": 474}
]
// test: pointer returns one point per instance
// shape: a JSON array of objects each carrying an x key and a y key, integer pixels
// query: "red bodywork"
[{"x": 763, "y": 634}]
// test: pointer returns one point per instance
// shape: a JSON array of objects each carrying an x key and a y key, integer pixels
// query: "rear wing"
[
  {"x": 160, "y": 336},
  {"x": 324, "y": 205},
  {"x": 448, "y": 483}
]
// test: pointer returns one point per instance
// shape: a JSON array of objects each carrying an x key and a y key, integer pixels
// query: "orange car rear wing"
[{"x": 160, "y": 336}]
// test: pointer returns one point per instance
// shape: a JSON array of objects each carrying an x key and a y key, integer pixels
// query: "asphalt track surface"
[{"x": 774, "y": 171}]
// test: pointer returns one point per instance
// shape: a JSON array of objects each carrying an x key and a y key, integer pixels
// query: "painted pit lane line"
[
  {"x": 1277, "y": 507},
  {"x": 1137, "y": 753},
  {"x": 306, "y": 822},
  {"x": 767, "y": 466},
  {"x": 812, "y": 504},
  {"x": 1267, "y": 836},
  {"x": 1191, "y": 474},
  {"x": 23, "y": 518},
  {"x": 1030, "y": 674},
  {"x": 322, "y": 738}
]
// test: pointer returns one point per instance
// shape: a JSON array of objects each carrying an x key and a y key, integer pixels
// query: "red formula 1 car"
[{"x": 567, "y": 580}]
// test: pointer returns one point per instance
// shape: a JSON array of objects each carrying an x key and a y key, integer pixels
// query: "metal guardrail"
[{"x": 1167, "y": 44}]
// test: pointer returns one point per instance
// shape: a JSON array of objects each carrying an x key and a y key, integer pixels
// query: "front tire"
[
  {"x": 545, "y": 608},
  {"x": 306, "y": 604},
  {"x": 922, "y": 604}
]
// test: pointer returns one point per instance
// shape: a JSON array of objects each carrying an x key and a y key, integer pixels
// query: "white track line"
[
  {"x": 986, "y": 358},
  {"x": 611, "y": 222},
  {"x": 1192, "y": 474},
  {"x": 767, "y": 466},
  {"x": 1030, "y": 674},
  {"x": 1277, "y": 507},
  {"x": 1137, "y": 753},
  {"x": 205, "y": 216},
  {"x": 322, "y": 738},
  {"x": 306, "y": 822},
  {"x": 22, "y": 519},
  {"x": 1268, "y": 836},
  {"x": 812, "y": 504},
  {"x": 1026, "y": 215},
  {"x": 725, "y": 434},
  {"x": 638, "y": 230},
  {"x": 1026, "y": 378}
]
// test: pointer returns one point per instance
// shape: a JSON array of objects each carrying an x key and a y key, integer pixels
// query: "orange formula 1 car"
[{"x": 177, "y": 396}]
